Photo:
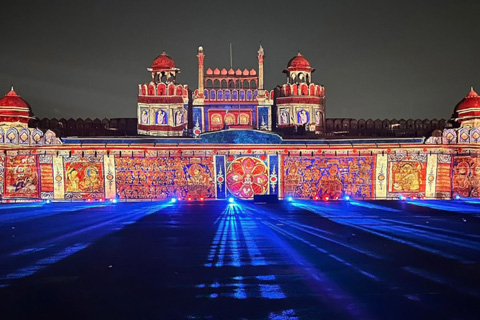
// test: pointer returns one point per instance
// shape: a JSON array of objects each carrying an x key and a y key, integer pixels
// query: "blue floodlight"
[
  {"x": 173, "y": 200},
  {"x": 457, "y": 197},
  {"x": 113, "y": 200},
  {"x": 290, "y": 199},
  {"x": 347, "y": 198},
  {"x": 231, "y": 200},
  {"x": 48, "y": 201}
]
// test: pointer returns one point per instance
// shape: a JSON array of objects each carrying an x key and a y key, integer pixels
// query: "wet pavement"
[{"x": 215, "y": 260}]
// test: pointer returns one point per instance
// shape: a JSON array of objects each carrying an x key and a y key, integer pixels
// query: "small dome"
[
  {"x": 13, "y": 108},
  {"x": 469, "y": 107},
  {"x": 299, "y": 63},
  {"x": 162, "y": 62}
]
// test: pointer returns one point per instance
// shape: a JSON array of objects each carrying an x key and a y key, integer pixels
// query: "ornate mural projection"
[
  {"x": 246, "y": 177},
  {"x": 46, "y": 176},
  {"x": 84, "y": 177},
  {"x": 21, "y": 177},
  {"x": 466, "y": 176},
  {"x": 159, "y": 178},
  {"x": 309, "y": 177},
  {"x": 407, "y": 173}
]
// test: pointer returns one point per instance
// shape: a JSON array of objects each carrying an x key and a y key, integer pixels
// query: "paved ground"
[{"x": 211, "y": 260}]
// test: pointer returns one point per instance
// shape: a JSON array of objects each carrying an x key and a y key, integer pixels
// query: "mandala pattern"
[{"x": 246, "y": 177}]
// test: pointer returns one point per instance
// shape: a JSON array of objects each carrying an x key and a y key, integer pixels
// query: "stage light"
[
  {"x": 289, "y": 199},
  {"x": 48, "y": 201},
  {"x": 179, "y": 199},
  {"x": 316, "y": 198},
  {"x": 189, "y": 199},
  {"x": 173, "y": 200},
  {"x": 101, "y": 199},
  {"x": 327, "y": 198},
  {"x": 457, "y": 197},
  {"x": 231, "y": 200},
  {"x": 403, "y": 198},
  {"x": 114, "y": 200},
  {"x": 89, "y": 200},
  {"x": 202, "y": 198},
  {"x": 347, "y": 198}
]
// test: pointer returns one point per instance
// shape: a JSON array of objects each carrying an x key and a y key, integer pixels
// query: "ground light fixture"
[
  {"x": 173, "y": 200},
  {"x": 289, "y": 199},
  {"x": 231, "y": 200}
]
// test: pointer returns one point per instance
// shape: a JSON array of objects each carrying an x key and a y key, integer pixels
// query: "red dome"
[
  {"x": 163, "y": 61},
  {"x": 298, "y": 63},
  {"x": 469, "y": 107},
  {"x": 13, "y": 108}
]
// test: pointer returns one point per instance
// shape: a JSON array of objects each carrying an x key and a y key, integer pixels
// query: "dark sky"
[{"x": 377, "y": 59}]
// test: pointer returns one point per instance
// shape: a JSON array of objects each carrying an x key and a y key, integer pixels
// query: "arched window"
[
  {"x": 212, "y": 95},
  {"x": 224, "y": 84},
  {"x": 242, "y": 95},
  {"x": 253, "y": 84},
  {"x": 231, "y": 84},
  {"x": 229, "y": 119},
  {"x": 216, "y": 84},
  {"x": 220, "y": 95},
  {"x": 245, "y": 84},
  {"x": 249, "y": 95},
  {"x": 227, "y": 94},
  {"x": 234, "y": 95},
  {"x": 244, "y": 119},
  {"x": 209, "y": 84}
]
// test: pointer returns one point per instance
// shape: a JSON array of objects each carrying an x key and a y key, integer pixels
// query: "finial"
[
  {"x": 471, "y": 88},
  {"x": 11, "y": 88}
]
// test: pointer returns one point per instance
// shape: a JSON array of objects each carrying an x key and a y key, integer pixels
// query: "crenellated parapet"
[
  {"x": 300, "y": 102},
  {"x": 162, "y": 104}
]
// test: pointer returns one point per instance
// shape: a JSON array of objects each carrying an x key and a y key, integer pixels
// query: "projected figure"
[
  {"x": 144, "y": 117},
  {"x": 407, "y": 178},
  {"x": 179, "y": 118},
  {"x": 284, "y": 116},
  {"x": 302, "y": 117},
  {"x": 91, "y": 180},
  {"x": 73, "y": 180},
  {"x": 161, "y": 117}
]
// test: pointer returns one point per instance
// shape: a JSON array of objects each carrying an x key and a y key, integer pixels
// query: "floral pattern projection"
[
  {"x": 246, "y": 177},
  {"x": 310, "y": 177},
  {"x": 84, "y": 177},
  {"x": 46, "y": 176},
  {"x": 407, "y": 175},
  {"x": 160, "y": 178},
  {"x": 466, "y": 176},
  {"x": 21, "y": 177}
]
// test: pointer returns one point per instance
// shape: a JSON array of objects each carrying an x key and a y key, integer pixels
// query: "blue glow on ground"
[{"x": 88, "y": 221}]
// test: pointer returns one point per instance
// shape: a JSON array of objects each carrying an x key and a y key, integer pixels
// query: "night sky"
[{"x": 377, "y": 59}]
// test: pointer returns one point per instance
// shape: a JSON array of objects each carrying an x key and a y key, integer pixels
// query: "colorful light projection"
[
  {"x": 46, "y": 176},
  {"x": 161, "y": 178},
  {"x": 407, "y": 174},
  {"x": 466, "y": 176},
  {"x": 311, "y": 177},
  {"x": 84, "y": 177},
  {"x": 246, "y": 177},
  {"x": 21, "y": 177}
]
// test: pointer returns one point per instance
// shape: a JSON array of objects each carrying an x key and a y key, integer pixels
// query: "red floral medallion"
[{"x": 246, "y": 177}]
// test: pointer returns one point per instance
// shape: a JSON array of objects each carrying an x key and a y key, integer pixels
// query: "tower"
[
  {"x": 300, "y": 102},
  {"x": 230, "y": 99},
  {"x": 162, "y": 104}
]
